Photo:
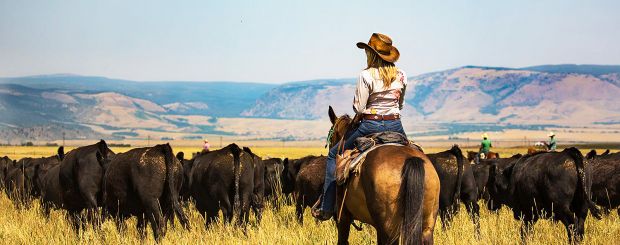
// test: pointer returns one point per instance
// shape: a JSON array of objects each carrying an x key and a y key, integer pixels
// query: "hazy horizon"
[
  {"x": 274, "y": 83},
  {"x": 276, "y": 42}
]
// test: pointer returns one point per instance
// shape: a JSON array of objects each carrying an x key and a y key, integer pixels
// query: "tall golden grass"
[{"x": 28, "y": 226}]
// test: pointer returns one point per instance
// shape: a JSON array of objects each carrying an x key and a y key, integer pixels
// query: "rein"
[{"x": 329, "y": 136}]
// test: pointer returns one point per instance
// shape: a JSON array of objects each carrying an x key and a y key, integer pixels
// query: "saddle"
[{"x": 351, "y": 160}]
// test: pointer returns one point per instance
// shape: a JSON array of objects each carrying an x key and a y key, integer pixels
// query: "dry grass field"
[{"x": 28, "y": 226}]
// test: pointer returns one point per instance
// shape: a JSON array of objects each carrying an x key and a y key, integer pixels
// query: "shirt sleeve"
[
  {"x": 403, "y": 80},
  {"x": 361, "y": 95}
]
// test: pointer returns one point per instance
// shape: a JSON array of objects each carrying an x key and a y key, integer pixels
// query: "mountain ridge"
[{"x": 539, "y": 95}]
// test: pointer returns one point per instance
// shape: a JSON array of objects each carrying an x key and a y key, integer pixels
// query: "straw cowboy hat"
[
  {"x": 551, "y": 134},
  {"x": 382, "y": 45},
  {"x": 485, "y": 135}
]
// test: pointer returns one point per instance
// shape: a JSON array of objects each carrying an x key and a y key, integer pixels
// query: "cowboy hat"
[
  {"x": 551, "y": 134},
  {"x": 485, "y": 135},
  {"x": 382, "y": 45}
]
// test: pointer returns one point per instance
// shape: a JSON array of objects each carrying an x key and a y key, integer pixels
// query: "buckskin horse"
[{"x": 396, "y": 191}]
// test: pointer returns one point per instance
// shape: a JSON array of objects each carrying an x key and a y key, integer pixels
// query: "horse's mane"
[
  {"x": 342, "y": 125},
  {"x": 343, "y": 122}
]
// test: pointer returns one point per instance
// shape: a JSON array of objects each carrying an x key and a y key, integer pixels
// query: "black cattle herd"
[{"x": 92, "y": 183}]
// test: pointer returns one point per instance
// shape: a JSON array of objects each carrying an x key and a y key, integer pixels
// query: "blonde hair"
[{"x": 386, "y": 71}]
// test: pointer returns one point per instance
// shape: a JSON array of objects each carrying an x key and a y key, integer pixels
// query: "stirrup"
[
  {"x": 317, "y": 203},
  {"x": 319, "y": 214}
]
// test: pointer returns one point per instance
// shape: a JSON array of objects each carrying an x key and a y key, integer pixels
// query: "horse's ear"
[{"x": 332, "y": 115}]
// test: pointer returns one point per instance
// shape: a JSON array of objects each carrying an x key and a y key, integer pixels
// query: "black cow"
[
  {"x": 273, "y": 185},
  {"x": 457, "y": 183},
  {"x": 144, "y": 182},
  {"x": 290, "y": 171},
  {"x": 15, "y": 182},
  {"x": 51, "y": 191},
  {"x": 309, "y": 181},
  {"x": 39, "y": 167},
  {"x": 223, "y": 179},
  {"x": 5, "y": 164},
  {"x": 187, "y": 167},
  {"x": 80, "y": 176},
  {"x": 546, "y": 185},
  {"x": 258, "y": 194},
  {"x": 606, "y": 180},
  {"x": 481, "y": 175}
]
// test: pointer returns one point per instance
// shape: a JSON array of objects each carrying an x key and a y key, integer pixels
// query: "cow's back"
[{"x": 543, "y": 180}]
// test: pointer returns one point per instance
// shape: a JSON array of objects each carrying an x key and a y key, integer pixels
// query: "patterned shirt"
[{"x": 371, "y": 97}]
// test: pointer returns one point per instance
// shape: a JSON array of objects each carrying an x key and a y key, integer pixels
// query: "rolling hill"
[{"x": 458, "y": 99}]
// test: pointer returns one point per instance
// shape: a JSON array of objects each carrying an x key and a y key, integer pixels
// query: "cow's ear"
[
  {"x": 332, "y": 115},
  {"x": 181, "y": 156},
  {"x": 591, "y": 154},
  {"x": 605, "y": 153},
  {"x": 61, "y": 153}
]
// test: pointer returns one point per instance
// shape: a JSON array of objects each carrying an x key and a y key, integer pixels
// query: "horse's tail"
[
  {"x": 582, "y": 181},
  {"x": 456, "y": 151},
  {"x": 412, "y": 199}
]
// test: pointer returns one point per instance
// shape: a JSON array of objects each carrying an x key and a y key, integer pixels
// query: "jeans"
[{"x": 366, "y": 127}]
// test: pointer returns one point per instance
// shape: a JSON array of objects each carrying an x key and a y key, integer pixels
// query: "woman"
[{"x": 379, "y": 97}]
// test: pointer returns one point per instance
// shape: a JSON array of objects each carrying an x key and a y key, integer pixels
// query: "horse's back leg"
[{"x": 431, "y": 203}]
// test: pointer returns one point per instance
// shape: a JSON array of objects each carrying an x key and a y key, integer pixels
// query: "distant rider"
[
  {"x": 552, "y": 145},
  {"x": 485, "y": 146},
  {"x": 379, "y": 97},
  {"x": 205, "y": 146}
]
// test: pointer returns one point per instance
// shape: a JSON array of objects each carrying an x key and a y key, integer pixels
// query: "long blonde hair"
[{"x": 386, "y": 71}]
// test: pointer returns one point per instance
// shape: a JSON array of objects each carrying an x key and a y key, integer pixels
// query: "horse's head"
[{"x": 340, "y": 127}]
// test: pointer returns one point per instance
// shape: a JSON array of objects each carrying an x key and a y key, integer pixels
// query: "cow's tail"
[
  {"x": 456, "y": 151},
  {"x": 102, "y": 147},
  {"x": 582, "y": 181},
  {"x": 173, "y": 192},
  {"x": 412, "y": 200},
  {"x": 236, "y": 152}
]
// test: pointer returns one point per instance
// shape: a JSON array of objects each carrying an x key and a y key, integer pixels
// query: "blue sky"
[{"x": 279, "y": 41}]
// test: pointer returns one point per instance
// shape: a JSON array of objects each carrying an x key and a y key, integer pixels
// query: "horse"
[
  {"x": 396, "y": 191},
  {"x": 472, "y": 156}
]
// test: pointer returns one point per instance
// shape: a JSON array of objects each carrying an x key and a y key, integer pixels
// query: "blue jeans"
[{"x": 366, "y": 127}]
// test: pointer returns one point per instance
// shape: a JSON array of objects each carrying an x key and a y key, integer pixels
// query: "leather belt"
[{"x": 381, "y": 117}]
